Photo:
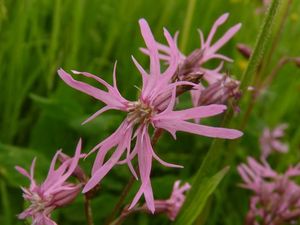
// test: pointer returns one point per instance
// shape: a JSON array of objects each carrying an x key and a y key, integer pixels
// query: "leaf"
[
  {"x": 199, "y": 194},
  {"x": 10, "y": 156}
]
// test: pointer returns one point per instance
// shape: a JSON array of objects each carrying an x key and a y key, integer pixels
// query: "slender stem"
[
  {"x": 277, "y": 36},
  {"x": 212, "y": 160},
  {"x": 260, "y": 45},
  {"x": 187, "y": 24},
  {"x": 118, "y": 205},
  {"x": 5, "y": 203},
  {"x": 251, "y": 72},
  {"x": 88, "y": 210},
  {"x": 267, "y": 82},
  {"x": 125, "y": 213},
  {"x": 248, "y": 112},
  {"x": 284, "y": 60}
]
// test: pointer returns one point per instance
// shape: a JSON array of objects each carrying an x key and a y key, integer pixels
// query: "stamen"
[{"x": 139, "y": 112}]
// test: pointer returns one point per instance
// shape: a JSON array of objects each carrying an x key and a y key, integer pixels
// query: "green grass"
[{"x": 40, "y": 114}]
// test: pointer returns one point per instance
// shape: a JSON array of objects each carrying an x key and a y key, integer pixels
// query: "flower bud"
[
  {"x": 220, "y": 91},
  {"x": 244, "y": 50},
  {"x": 78, "y": 172}
]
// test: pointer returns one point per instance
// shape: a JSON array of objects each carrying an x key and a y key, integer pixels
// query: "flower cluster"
[
  {"x": 191, "y": 67},
  {"x": 276, "y": 197},
  {"x": 155, "y": 107},
  {"x": 54, "y": 192}
]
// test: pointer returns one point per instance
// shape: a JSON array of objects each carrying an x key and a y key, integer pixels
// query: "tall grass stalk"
[{"x": 210, "y": 164}]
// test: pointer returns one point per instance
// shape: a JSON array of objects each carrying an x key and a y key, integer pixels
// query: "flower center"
[
  {"x": 38, "y": 203},
  {"x": 139, "y": 112}
]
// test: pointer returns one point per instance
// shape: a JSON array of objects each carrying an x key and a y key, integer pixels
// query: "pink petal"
[
  {"x": 106, "y": 145},
  {"x": 214, "y": 28},
  {"x": 176, "y": 125},
  {"x": 99, "y": 112},
  {"x": 22, "y": 171},
  {"x": 98, "y": 174},
  {"x": 193, "y": 113},
  {"x": 152, "y": 47},
  {"x": 144, "y": 161},
  {"x": 113, "y": 98},
  {"x": 225, "y": 38}
]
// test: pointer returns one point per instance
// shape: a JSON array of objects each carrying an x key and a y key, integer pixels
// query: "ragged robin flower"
[
  {"x": 155, "y": 107},
  {"x": 276, "y": 197},
  {"x": 192, "y": 67},
  {"x": 54, "y": 192},
  {"x": 270, "y": 141}
]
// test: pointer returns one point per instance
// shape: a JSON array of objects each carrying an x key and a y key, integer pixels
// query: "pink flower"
[
  {"x": 192, "y": 66},
  {"x": 173, "y": 205},
  {"x": 270, "y": 141},
  {"x": 206, "y": 52},
  {"x": 254, "y": 173},
  {"x": 276, "y": 197},
  {"x": 217, "y": 93},
  {"x": 54, "y": 192},
  {"x": 154, "y": 107}
]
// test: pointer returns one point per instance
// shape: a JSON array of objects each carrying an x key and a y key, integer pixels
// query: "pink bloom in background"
[
  {"x": 276, "y": 197},
  {"x": 254, "y": 173},
  {"x": 154, "y": 107},
  {"x": 173, "y": 205},
  {"x": 54, "y": 192},
  {"x": 263, "y": 8},
  {"x": 270, "y": 141}
]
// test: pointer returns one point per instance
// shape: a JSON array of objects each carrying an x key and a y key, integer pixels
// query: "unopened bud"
[
  {"x": 297, "y": 61},
  {"x": 78, "y": 172},
  {"x": 190, "y": 65},
  {"x": 244, "y": 50},
  {"x": 220, "y": 91},
  {"x": 66, "y": 197}
]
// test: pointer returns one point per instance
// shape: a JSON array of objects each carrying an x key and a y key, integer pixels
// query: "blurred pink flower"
[
  {"x": 276, "y": 197},
  {"x": 173, "y": 205},
  {"x": 263, "y": 7},
  {"x": 270, "y": 141},
  {"x": 154, "y": 106},
  {"x": 54, "y": 192}
]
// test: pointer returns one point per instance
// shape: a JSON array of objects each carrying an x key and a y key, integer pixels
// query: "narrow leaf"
[{"x": 198, "y": 196}]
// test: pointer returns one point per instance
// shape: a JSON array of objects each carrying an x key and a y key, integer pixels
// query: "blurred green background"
[{"x": 40, "y": 114}]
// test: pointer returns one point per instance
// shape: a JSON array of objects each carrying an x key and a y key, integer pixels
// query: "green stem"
[
  {"x": 124, "y": 194},
  {"x": 187, "y": 24},
  {"x": 5, "y": 203},
  {"x": 88, "y": 210},
  {"x": 260, "y": 46},
  {"x": 277, "y": 36},
  {"x": 212, "y": 160}
]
